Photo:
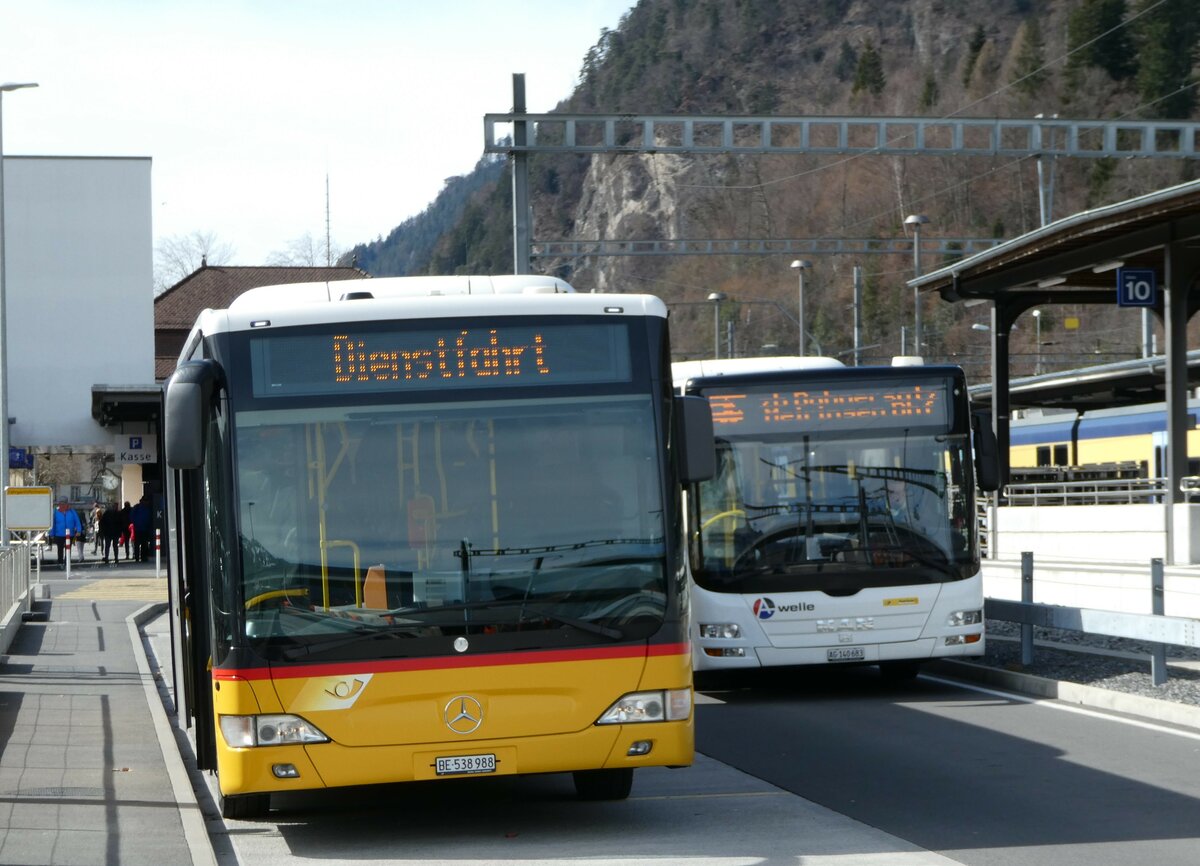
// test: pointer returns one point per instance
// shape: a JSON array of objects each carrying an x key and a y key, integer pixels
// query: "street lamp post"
[
  {"x": 716, "y": 298},
  {"x": 4, "y": 88},
  {"x": 1037, "y": 319},
  {"x": 800, "y": 266},
  {"x": 916, "y": 221}
]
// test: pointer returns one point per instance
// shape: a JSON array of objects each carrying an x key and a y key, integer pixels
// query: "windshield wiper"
[
  {"x": 360, "y": 632},
  {"x": 355, "y": 635},
  {"x": 581, "y": 624},
  {"x": 941, "y": 564}
]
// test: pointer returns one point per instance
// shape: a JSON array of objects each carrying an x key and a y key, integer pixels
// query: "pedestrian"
[
  {"x": 141, "y": 518},
  {"x": 97, "y": 513},
  {"x": 65, "y": 520},
  {"x": 126, "y": 528},
  {"x": 110, "y": 529}
]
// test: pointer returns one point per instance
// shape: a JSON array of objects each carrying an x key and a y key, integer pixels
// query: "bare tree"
[
  {"x": 177, "y": 256},
  {"x": 306, "y": 251}
]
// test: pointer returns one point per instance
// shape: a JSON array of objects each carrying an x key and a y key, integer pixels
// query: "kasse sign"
[{"x": 136, "y": 448}]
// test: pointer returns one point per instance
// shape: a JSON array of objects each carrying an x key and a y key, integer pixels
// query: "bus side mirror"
[
  {"x": 987, "y": 452},
  {"x": 188, "y": 395},
  {"x": 695, "y": 446}
]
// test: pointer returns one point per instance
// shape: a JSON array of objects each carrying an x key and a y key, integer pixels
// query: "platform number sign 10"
[{"x": 1136, "y": 287}]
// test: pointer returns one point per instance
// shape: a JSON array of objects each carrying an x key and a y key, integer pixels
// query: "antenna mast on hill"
[{"x": 328, "y": 247}]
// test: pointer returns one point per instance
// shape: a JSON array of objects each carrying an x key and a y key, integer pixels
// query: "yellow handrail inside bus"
[
  {"x": 325, "y": 545},
  {"x": 317, "y": 467},
  {"x": 275, "y": 593},
  {"x": 732, "y": 515}
]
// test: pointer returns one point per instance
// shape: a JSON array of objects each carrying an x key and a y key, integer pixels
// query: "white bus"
[
  {"x": 427, "y": 529},
  {"x": 839, "y": 527}
]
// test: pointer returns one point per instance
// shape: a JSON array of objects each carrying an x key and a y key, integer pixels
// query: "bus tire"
[
  {"x": 603, "y": 784},
  {"x": 899, "y": 672},
  {"x": 245, "y": 807}
]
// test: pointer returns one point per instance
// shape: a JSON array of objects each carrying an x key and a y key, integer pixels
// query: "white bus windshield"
[
  {"x": 520, "y": 518},
  {"x": 834, "y": 511}
]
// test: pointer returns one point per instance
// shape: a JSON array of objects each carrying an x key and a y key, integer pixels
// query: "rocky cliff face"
[{"x": 636, "y": 197}]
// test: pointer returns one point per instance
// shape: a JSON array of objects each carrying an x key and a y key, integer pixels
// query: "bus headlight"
[
  {"x": 726, "y": 630},
  {"x": 244, "y": 732},
  {"x": 964, "y": 617},
  {"x": 671, "y": 705}
]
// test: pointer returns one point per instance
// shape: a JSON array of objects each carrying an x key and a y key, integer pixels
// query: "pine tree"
[
  {"x": 978, "y": 40},
  {"x": 1028, "y": 74},
  {"x": 846, "y": 63},
  {"x": 1095, "y": 37},
  {"x": 930, "y": 93},
  {"x": 1166, "y": 43},
  {"x": 869, "y": 73}
]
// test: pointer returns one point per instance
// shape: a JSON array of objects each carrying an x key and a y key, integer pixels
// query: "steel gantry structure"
[{"x": 584, "y": 134}]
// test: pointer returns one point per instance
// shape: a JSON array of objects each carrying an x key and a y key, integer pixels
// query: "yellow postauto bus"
[{"x": 430, "y": 529}]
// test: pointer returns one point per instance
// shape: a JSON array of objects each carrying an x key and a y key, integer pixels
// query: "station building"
[{"x": 88, "y": 344}]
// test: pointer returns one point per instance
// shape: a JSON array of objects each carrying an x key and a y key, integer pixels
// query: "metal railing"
[
  {"x": 1117, "y": 491},
  {"x": 1106, "y": 491},
  {"x": 14, "y": 581},
  {"x": 1154, "y": 628}
]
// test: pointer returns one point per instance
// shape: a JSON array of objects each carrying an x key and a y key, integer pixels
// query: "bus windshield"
[
  {"x": 834, "y": 511},
  {"x": 519, "y": 523}
]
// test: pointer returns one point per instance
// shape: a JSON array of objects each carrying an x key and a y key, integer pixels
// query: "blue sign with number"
[{"x": 1136, "y": 287}]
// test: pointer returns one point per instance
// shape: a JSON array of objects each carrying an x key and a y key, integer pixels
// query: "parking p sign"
[{"x": 1136, "y": 287}]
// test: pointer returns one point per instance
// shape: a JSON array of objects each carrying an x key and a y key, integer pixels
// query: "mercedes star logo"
[{"x": 463, "y": 714}]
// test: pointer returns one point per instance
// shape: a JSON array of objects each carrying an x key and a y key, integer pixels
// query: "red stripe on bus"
[{"x": 449, "y": 662}]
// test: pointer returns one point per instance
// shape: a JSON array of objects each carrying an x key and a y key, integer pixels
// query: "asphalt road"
[
  {"x": 830, "y": 768},
  {"x": 709, "y": 814},
  {"x": 983, "y": 778}
]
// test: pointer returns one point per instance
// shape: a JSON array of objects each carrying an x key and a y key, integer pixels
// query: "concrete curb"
[
  {"x": 1169, "y": 712},
  {"x": 190, "y": 814}
]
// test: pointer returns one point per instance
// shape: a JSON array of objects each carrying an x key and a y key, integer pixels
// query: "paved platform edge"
[
  {"x": 1168, "y": 712},
  {"x": 190, "y": 814}
]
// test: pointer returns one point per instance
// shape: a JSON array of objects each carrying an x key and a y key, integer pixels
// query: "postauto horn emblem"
[
  {"x": 764, "y": 608},
  {"x": 463, "y": 714}
]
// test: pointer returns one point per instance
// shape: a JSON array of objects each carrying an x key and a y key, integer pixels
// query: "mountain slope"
[{"x": 935, "y": 58}]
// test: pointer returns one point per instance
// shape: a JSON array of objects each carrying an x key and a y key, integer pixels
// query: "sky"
[{"x": 246, "y": 106}]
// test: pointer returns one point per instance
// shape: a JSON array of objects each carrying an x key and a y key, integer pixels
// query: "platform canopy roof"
[
  {"x": 1102, "y": 386},
  {"x": 1074, "y": 260}
]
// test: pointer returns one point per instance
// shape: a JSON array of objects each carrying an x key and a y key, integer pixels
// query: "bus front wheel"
[
  {"x": 603, "y": 784},
  {"x": 245, "y": 807}
]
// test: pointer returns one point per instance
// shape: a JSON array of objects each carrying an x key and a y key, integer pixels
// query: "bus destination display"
[
  {"x": 825, "y": 408},
  {"x": 352, "y": 359}
]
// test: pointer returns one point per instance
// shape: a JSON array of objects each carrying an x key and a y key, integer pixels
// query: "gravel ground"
[{"x": 1118, "y": 664}]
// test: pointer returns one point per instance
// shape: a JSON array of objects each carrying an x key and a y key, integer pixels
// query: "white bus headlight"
[
  {"x": 243, "y": 732},
  {"x": 671, "y": 705},
  {"x": 727, "y": 630},
  {"x": 964, "y": 617}
]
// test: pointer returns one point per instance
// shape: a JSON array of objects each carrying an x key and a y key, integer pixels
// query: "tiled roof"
[
  {"x": 215, "y": 286},
  {"x": 164, "y": 367}
]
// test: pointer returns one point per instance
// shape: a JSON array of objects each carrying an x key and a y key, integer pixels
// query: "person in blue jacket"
[
  {"x": 65, "y": 519},
  {"x": 143, "y": 522}
]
